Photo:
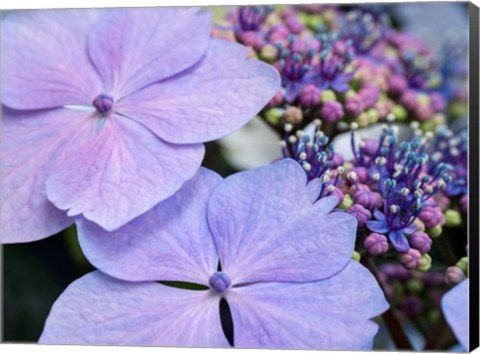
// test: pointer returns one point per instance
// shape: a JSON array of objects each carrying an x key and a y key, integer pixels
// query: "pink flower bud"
[
  {"x": 368, "y": 199},
  {"x": 454, "y": 275},
  {"x": 332, "y": 111},
  {"x": 310, "y": 96},
  {"x": 360, "y": 213},
  {"x": 376, "y": 244},
  {"x": 420, "y": 241},
  {"x": 411, "y": 259}
]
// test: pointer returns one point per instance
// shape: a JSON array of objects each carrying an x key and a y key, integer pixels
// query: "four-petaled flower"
[
  {"x": 105, "y": 112},
  {"x": 396, "y": 235},
  {"x": 286, "y": 270}
]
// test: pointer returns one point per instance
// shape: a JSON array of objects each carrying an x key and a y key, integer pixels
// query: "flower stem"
[{"x": 392, "y": 322}]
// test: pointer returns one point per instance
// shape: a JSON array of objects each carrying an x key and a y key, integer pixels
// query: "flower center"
[
  {"x": 103, "y": 103},
  {"x": 219, "y": 282}
]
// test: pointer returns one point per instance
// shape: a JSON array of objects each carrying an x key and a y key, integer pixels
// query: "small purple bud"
[
  {"x": 252, "y": 39},
  {"x": 423, "y": 112},
  {"x": 354, "y": 105},
  {"x": 409, "y": 100},
  {"x": 277, "y": 100},
  {"x": 337, "y": 193},
  {"x": 411, "y": 259},
  {"x": 332, "y": 111},
  {"x": 454, "y": 275},
  {"x": 420, "y": 241},
  {"x": 361, "y": 172},
  {"x": 431, "y": 216},
  {"x": 337, "y": 160},
  {"x": 396, "y": 85},
  {"x": 219, "y": 282},
  {"x": 437, "y": 102},
  {"x": 371, "y": 147},
  {"x": 360, "y": 213},
  {"x": 376, "y": 244},
  {"x": 368, "y": 199},
  {"x": 103, "y": 103},
  {"x": 278, "y": 34},
  {"x": 369, "y": 95},
  {"x": 412, "y": 305},
  {"x": 294, "y": 24},
  {"x": 310, "y": 96}
]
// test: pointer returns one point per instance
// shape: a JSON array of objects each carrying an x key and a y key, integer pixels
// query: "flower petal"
[
  {"x": 266, "y": 228},
  {"x": 399, "y": 241},
  {"x": 378, "y": 226},
  {"x": 123, "y": 173},
  {"x": 217, "y": 96},
  {"x": 32, "y": 143},
  {"x": 329, "y": 314},
  {"x": 456, "y": 310},
  {"x": 44, "y": 59},
  {"x": 97, "y": 309},
  {"x": 170, "y": 242},
  {"x": 379, "y": 215},
  {"x": 133, "y": 48}
]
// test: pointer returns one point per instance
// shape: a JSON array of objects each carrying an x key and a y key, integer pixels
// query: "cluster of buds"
[
  {"x": 394, "y": 191},
  {"x": 339, "y": 65}
]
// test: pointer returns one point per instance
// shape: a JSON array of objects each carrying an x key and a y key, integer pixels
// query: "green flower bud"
[
  {"x": 428, "y": 126},
  {"x": 328, "y": 95},
  {"x": 362, "y": 120},
  {"x": 435, "y": 232},
  {"x": 274, "y": 115},
  {"x": 399, "y": 112},
  {"x": 452, "y": 218},
  {"x": 372, "y": 116},
  {"x": 425, "y": 263},
  {"x": 463, "y": 264},
  {"x": 347, "y": 202},
  {"x": 356, "y": 256},
  {"x": 269, "y": 53},
  {"x": 423, "y": 99},
  {"x": 415, "y": 285}
]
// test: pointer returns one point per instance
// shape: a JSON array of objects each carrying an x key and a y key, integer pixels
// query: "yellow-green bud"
[
  {"x": 356, "y": 256},
  {"x": 269, "y": 53},
  {"x": 347, "y": 202},
  {"x": 274, "y": 115},
  {"x": 452, "y": 218},
  {"x": 399, "y": 112},
  {"x": 435, "y": 232},
  {"x": 463, "y": 264},
  {"x": 362, "y": 120},
  {"x": 423, "y": 99},
  {"x": 328, "y": 95},
  {"x": 425, "y": 263},
  {"x": 428, "y": 126},
  {"x": 415, "y": 285},
  {"x": 372, "y": 116}
]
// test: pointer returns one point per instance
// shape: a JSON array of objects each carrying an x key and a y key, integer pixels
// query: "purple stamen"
[{"x": 219, "y": 282}]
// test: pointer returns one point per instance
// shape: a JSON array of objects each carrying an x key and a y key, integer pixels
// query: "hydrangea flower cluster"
[
  {"x": 341, "y": 65},
  {"x": 105, "y": 116}
]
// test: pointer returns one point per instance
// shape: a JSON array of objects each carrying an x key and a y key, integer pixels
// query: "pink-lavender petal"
[
  {"x": 124, "y": 172},
  {"x": 170, "y": 242},
  {"x": 214, "y": 98},
  {"x": 30, "y": 152},
  {"x": 44, "y": 59},
  {"x": 133, "y": 48}
]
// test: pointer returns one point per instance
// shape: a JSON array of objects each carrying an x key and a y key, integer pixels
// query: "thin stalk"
[{"x": 390, "y": 317}]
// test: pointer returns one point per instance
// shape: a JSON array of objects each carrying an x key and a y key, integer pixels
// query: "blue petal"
[
  {"x": 409, "y": 229},
  {"x": 399, "y": 241},
  {"x": 378, "y": 226},
  {"x": 379, "y": 215}
]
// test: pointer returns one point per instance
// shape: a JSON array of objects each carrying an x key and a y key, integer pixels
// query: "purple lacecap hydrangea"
[
  {"x": 455, "y": 309},
  {"x": 286, "y": 270},
  {"x": 105, "y": 112}
]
